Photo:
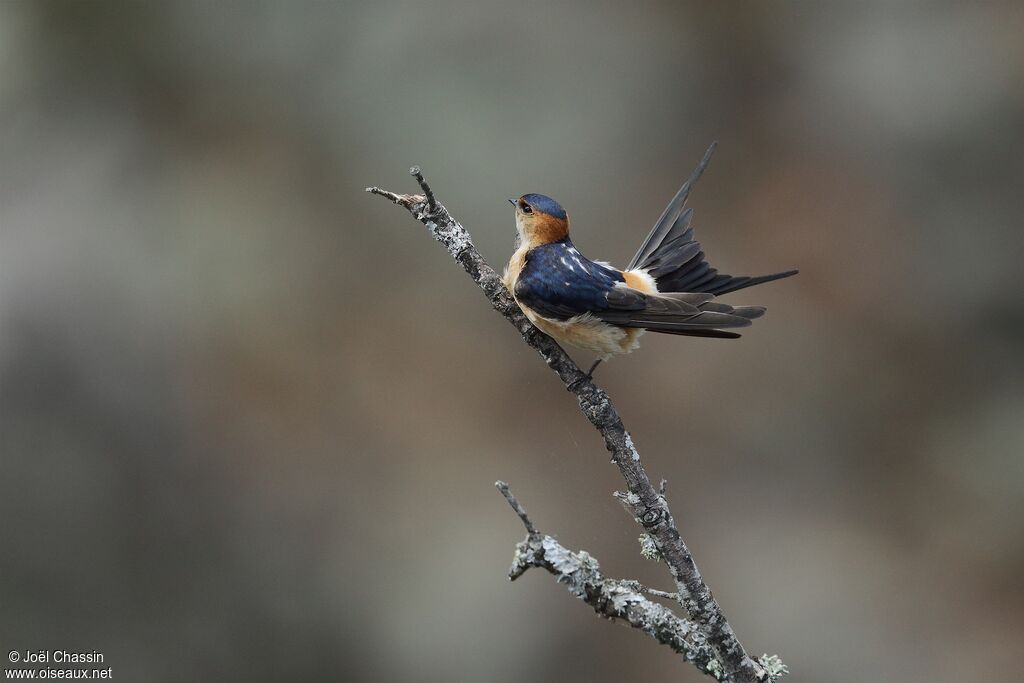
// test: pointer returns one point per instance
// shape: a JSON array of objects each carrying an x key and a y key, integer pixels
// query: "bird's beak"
[{"x": 513, "y": 203}]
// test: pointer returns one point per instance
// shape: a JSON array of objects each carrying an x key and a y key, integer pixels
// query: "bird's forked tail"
[{"x": 674, "y": 258}]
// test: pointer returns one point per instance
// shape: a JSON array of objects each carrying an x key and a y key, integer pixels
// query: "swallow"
[{"x": 668, "y": 287}]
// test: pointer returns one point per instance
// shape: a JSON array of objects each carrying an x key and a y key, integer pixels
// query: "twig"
[
  {"x": 415, "y": 173},
  {"x": 400, "y": 199},
  {"x": 611, "y": 598},
  {"x": 643, "y": 500},
  {"x": 505, "y": 491}
]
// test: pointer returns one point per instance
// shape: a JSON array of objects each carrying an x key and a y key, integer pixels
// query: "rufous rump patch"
[{"x": 641, "y": 281}]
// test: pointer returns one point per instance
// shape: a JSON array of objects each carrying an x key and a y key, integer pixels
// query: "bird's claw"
[{"x": 575, "y": 384}]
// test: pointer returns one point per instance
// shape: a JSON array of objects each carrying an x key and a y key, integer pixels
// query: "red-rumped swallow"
[{"x": 668, "y": 287}]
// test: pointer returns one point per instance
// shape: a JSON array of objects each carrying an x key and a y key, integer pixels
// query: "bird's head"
[{"x": 540, "y": 219}]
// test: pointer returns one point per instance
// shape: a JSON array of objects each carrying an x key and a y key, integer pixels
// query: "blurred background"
[{"x": 251, "y": 416}]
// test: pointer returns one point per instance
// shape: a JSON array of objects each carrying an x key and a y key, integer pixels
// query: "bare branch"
[
  {"x": 400, "y": 199},
  {"x": 505, "y": 491},
  {"x": 618, "y": 600},
  {"x": 643, "y": 501},
  {"x": 415, "y": 173}
]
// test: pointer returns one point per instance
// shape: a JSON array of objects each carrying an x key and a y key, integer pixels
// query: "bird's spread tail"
[{"x": 673, "y": 257}]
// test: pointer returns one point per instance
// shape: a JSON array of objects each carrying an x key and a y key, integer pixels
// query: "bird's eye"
[{"x": 527, "y": 208}]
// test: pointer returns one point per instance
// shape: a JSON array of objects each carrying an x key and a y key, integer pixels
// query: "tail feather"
[
  {"x": 668, "y": 224},
  {"x": 674, "y": 258}
]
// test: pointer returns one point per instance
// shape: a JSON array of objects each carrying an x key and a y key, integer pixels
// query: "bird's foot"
[{"x": 573, "y": 386}]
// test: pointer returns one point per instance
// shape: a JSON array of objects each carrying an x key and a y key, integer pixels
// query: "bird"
[{"x": 668, "y": 286}]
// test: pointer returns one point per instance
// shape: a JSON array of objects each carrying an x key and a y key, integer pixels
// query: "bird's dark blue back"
[{"x": 559, "y": 282}]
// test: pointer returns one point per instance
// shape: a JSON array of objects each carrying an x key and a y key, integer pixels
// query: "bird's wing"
[
  {"x": 557, "y": 283},
  {"x": 670, "y": 314}
]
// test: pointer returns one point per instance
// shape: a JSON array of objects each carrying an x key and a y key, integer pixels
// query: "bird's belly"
[{"x": 588, "y": 333}]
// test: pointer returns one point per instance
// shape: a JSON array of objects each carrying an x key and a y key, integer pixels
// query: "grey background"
[{"x": 251, "y": 416}]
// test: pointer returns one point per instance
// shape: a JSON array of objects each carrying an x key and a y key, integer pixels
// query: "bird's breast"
[
  {"x": 515, "y": 268},
  {"x": 587, "y": 332}
]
